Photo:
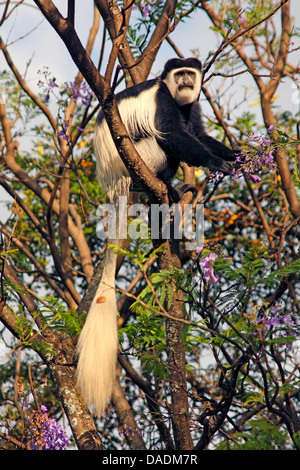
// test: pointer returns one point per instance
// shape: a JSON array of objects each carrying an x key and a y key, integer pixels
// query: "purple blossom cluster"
[
  {"x": 259, "y": 155},
  {"x": 70, "y": 89},
  {"x": 47, "y": 433},
  {"x": 127, "y": 430},
  {"x": 64, "y": 132},
  {"x": 76, "y": 92},
  {"x": 278, "y": 321},
  {"x": 214, "y": 177},
  {"x": 207, "y": 264},
  {"x": 51, "y": 85},
  {"x": 145, "y": 8},
  {"x": 47, "y": 84},
  {"x": 277, "y": 318}
]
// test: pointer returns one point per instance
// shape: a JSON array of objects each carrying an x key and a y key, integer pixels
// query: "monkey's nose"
[{"x": 188, "y": 84}]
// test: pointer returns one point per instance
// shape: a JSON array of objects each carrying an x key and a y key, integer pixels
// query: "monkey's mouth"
[{"x": 182, "y": 87}]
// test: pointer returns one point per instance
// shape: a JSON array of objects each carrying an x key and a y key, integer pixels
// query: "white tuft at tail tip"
[{"x": 97, "y": 349}]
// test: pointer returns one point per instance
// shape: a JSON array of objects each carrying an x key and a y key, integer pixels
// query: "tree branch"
[
  {"x": 132, "y": 73},
  {"x": 27, "y": 90},
  {"x": 266, "y": 90}
]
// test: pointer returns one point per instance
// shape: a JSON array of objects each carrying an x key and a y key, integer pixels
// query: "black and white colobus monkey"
[{"x": 163, "y": 119}]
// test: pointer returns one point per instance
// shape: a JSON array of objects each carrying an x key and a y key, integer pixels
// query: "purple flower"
[
  {"x": 83, "y": 92},
  {"x": 272, "y": 321},
  {"x": 207, "y": 266},
  {"x": 288, "y": 321},
  {"x": 54, "y": 435},
  {"x": 255, "y": 178},
  {"x": 48, "y": 86},
  {"x": 259, "y": 155},
  {"x": 47, "y": 433},
  {"x": 214, "y": 176},
  {"x": 34, "y": 445},
  {"x": 279, "y": 322},
  {"x": 199, "y": 250},
  {"x": 144, "y": 7},
  {"x": 52, "y": 83},
  {"x": 63, "y": 133},
  {"x": 47, "y": 98}
]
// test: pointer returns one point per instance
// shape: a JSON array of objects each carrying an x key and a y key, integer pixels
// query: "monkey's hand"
[
  {"x": 226, "y": 168},
  {"x": 176, "y": 192},
  {"x": 230, "y": 154},
  {"x": 220, "y": 165}
]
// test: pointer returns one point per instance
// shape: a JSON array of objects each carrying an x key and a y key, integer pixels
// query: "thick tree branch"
[
  {"x": 161, "y": 31},
  {"x": 126, "y": 416},
  {"x": 112, "y": 16}
]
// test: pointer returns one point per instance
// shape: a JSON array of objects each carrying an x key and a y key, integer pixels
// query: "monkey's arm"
[
  {"x": 182, "y": 141},
  {"x": 217, "y": 148},
  {"x": 183, "y": 147}
]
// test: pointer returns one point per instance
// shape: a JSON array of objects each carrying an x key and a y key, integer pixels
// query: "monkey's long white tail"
[{"x": 98, "y": 342}]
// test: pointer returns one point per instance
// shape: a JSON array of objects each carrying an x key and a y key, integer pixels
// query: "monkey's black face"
[
  {"x": 184, "y": 84},
  {"x": 185, "y": 79}
]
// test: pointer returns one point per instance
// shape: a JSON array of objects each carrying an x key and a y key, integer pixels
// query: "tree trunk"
[{"x": 176, "y": 354}]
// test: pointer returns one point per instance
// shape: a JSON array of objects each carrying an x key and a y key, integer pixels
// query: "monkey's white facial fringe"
[
  {"x": 185, "y": 95},
  {"x": 98, "y": 342}
]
